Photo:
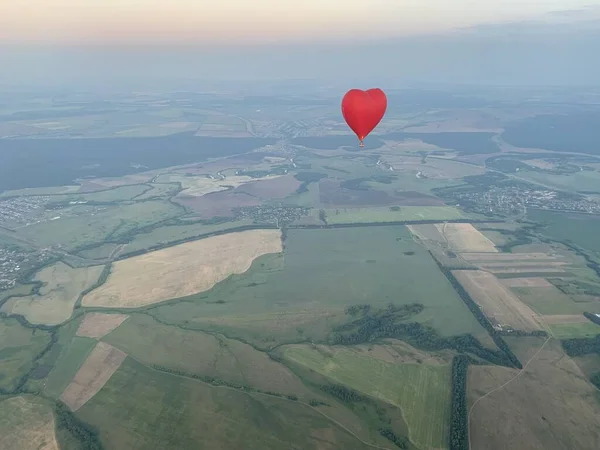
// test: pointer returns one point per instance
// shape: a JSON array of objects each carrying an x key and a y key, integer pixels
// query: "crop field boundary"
[
  {"x": 512, "y": 359},
  {"x": 386, "y": 224},
  {"x": 249, "y": 392},
  {"x": 125, "y": 255}
]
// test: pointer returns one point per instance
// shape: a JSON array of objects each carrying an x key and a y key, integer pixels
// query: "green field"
[
  {"x": 163, "y": 190},
  {"x": 72, "y": 356},
  {"x": 18, "y": 290},
  {"x": 18, "y": 348},
  {"x": 549, "y": 300},
  {"x": 87, "y": 225},
  {"x": 101, "y": 252},
  {"x": 55, "y": 190},
  {"x": 422, "y": 392},
  {"x": 172, "y": 233},
  {"x": 386, "y": 214},
  {"x": 144, "y": 408},
  {"x": 574, "y": 330},
  {"x": 46, "y": 364},
  {"x": 586, "y": 180},
  {"x": 324, "y": 271},
  {"x": 113, "y": 195},
  {"x": 579, "y": 229},
  {"x": 203, "y": 354}
]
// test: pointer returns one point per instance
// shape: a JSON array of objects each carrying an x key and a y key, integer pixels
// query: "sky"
[
  {"x": 185, "y": 43},
  {"x": 210, "y": 22}
]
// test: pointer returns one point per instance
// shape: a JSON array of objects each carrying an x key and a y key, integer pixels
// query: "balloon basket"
[{"x": 362, "y": 144}]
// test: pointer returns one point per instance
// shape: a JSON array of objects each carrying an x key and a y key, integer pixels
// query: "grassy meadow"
[
  {"x": 300, "y": 295},
  {"x": 387, "y": 214},
  {"x": 202, "y": 354},
  {"x": 27, "y": 423},
  {"x": 578, "y": 229},
  {"x": 19, "y": 347},
  {"x": 85, "y": 225},
  {"x": 421, "y": 391},
  {"x": 158, "y": 410}
]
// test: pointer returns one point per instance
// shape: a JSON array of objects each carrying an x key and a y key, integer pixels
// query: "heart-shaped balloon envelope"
[{"x": 363, "y": 110}]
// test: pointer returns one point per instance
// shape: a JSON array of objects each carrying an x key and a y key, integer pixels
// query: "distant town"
[
  {"x": 14, "y": 261},
  {"x": 16, "y": 211},
  {"x": 277, "y": 215},
  {"x": 514, "y": 200}
]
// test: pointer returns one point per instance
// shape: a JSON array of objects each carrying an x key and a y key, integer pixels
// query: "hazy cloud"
[{"x": 517, "y": 53}]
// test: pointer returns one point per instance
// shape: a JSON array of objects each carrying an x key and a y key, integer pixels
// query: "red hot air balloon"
[{"x": 363, "y": 110}]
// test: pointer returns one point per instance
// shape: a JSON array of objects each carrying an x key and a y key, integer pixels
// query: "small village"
[
  {"x": 514, "y": 200},
  {"x": 17, "y": 211},
  {"x": 15, "y": 261}
]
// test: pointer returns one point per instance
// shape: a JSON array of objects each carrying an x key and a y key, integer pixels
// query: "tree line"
[
  {"x": 459, "y": 421},
  {"x": 593, "y": 318},
  {"x": 87, "y": 436},
  {"x": 510, "y": 357},
  {"x": 582, "y": 346},
  {"x": 398, "y": 441},
  {"x": 367, "y": 324}
]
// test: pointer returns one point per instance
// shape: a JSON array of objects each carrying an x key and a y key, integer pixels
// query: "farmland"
[
  {"x": 390, "y": 214},
  {"x": 206, "y": 355},
  {"x": 464, "y": 237},
  {"x": 97, "y": 369},
  {"x": 73, "y": 353},
  {"x": 27, "y": 423},
  {"x": 157, "y": 410},
  {"x": 19, "y": 346},
  {"x": 499, "y": 304},
  {"x": 548, "y": 300},
  {"x": 98, "y": 325},
  {"x": 238, "y": 191},
  {"x": 268, "y": 284},
  {"x": 173, "y": 233},
  {"x": 114, "y": 195},
  {"x": 148, "y": 279},
  {"x": 533, "y": 404},
  {"x": 84, "y": 225},
  {"x": 568, "y": 329},
  {"x": 421, "y": 391},
  {"x": 324, "y": 271},
  {"x": 519, "y": 265},
  {"x": 61, "y": 287},
  {"x": 579, "y": 229}
]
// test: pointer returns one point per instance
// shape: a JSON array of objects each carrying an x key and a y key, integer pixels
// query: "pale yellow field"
[
  {"x": 565, "y": 318},
  {"x": 520, "y": 264},
  {"x": 498, "y": 302},
  {"x": 62, "y": 287},
  {"x": 527, "y": 282},
  {"x": 464, "y": 237},
  {"x": 26, "y": 424},
  {"x": 182, "y": 270},
  {"x": 546, "y": 270},
  {"x": 98, "y": 325},
  {"x": 93, "y": 374},
  {"x": 426, "y": 232},
  {"x": 508, "y": 257}
]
